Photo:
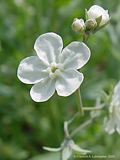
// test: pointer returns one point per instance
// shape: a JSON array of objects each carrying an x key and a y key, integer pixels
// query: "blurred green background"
[{"x": 26, "y": 126}]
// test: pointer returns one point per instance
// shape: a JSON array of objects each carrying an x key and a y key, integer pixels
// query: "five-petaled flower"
[
  {"x": 113, "y": 123},
  {"x": 96, "y": 12},
  {"x": 54, "y": 68}
]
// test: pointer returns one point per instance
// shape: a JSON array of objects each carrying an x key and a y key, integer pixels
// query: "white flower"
[
  {"x": 53, "y": 68},
  {"x": 68, "y": 148},
  {"x": 78, "y": 25},
  {"x": 113, "y": 123},
  {"x": 96, "y": 11}
]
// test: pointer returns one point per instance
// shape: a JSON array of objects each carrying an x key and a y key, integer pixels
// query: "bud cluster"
[{"x": 96, "y": 18}]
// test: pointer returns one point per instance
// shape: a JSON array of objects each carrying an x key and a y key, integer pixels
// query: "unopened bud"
[
  {"x": 96, "y": 12},
  {"x": 91, "y": 24},
  {"x": 78, "y": 25}
]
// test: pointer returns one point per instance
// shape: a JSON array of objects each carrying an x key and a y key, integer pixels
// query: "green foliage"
[{"x": 26, "y": 126}]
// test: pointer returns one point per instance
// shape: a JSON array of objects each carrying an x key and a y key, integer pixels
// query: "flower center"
[{"x": 53, "y": 68}]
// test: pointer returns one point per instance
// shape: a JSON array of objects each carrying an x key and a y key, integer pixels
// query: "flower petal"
[
  {"x": 68, "y": 82},
  {"x": 31, "y": 70},
  {"x": 117, "y": 119},
  {"x": 109, "y": 125},
  {"x": 52, "y": 149},
  {"x": 96, "y": 11},
  {"x": 116, "y": 95},
  {"x": 48, "y": 46},
  {"x": 76, "y": 148},
  {"x": 118, "y": 127},
  {"x": 66, "y": 153},
  {"x": 75, "y": 55},
  {"x": 43, "y": 90}
]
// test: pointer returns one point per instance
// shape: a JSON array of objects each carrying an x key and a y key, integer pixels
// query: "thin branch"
[
  {"x": 92, "y": 108},
  {"x": 80, "y": 104},
  {"x": 85, "y": 124},
  {"x": 67, "y": 135},
  {"x": 73, "y": 118}
]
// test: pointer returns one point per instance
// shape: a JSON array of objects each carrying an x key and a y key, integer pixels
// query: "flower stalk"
[
  {"x": 80, "y": 104},
  {"x": 92, "y": 108},
  {"x": 67, "y": 135},
  {"x": 73, "y": 118},
  {"x": 85, "y": 124}
]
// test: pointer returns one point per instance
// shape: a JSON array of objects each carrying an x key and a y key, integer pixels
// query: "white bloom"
[
  {"x": 78, "y": 25},
  {"x": 68, "y": 148},
  {"x": 113, "y": 123},
  {"x": 96, "y": 11},
  {"x": 53, "y": 68}
]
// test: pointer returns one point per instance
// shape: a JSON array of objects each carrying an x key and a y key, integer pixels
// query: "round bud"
[
  {"x": 91, "y": 24},
  {"x": 78, "y": 25}
]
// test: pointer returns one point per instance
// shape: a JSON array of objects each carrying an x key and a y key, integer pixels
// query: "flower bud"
[
  {"x": 98, "y": 13},
  {"x": 78, "y": 25},
  {"x": 91, "y": 24}
]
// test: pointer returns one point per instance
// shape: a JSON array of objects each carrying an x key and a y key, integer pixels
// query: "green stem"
[
  {"x": 85, "y": 124},
  {"x": 80, "y": 104},
  {"x": 85, "y": 37},
  {"x": 92, "y": 108},
  {"x": 73, "y": 118},
  {"x": 85, "y": 109},
  {"x": 67, "y": 135}
]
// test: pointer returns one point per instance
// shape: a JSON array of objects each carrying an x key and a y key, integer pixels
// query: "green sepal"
[
  {"x": 86, "y": 14},
  {"x": 99, "y": 28},
  {"x": 98, "y": 20}
]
